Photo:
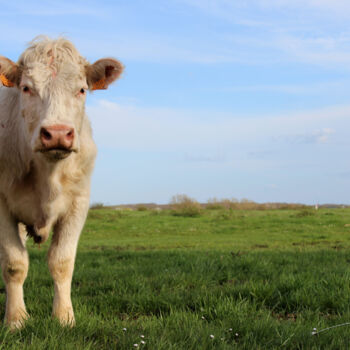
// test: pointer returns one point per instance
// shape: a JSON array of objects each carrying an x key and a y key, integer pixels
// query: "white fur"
[{"x": 34, "y": 191}]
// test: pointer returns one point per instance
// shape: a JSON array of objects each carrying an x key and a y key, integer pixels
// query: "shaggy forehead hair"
[
  {"x": 45, "y": 59},
  {"x": 51, "y": 53}
]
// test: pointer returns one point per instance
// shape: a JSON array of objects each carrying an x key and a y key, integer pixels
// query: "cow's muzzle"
[
  {"x": 56, "y": 141},
  {"x": 57, "y": 137}
]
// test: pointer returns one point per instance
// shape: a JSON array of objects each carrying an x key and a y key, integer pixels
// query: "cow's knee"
[
  {"x": 61, "y": 269},
  {"x": 15, "y": 271}
]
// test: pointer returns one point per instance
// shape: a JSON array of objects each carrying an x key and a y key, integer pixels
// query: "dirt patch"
[
  {"x": 285, "y": 316},
  {"x": 261, "y": 246}
]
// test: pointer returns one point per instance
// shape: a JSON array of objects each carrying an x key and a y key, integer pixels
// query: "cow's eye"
[
  {"x": 25, "y": 89},
  {"x": 82, "y": 91}
]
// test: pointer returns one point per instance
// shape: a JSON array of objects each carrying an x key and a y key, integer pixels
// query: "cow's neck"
[
  {"x": 48, "y": 176},
  {"x": 47, "y": 189}
]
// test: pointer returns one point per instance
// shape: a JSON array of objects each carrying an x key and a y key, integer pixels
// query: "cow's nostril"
[
  {"x": 70, "y": 134},
  {"x": 45, "y": 134}
]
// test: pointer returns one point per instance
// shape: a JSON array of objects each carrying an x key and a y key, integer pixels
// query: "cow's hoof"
[
  {"x": 65, "y": 317},
  {"x": 70, "y": 322},
  {"x": 17, "y": 323}
]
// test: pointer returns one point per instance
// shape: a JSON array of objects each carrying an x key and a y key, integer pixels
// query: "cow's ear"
[
  {"x": 103, "y": 72},
  {"x": 8, "y": 72}
]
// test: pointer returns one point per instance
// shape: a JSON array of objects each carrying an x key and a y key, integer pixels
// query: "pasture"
[{"x": 223, "y": 280}]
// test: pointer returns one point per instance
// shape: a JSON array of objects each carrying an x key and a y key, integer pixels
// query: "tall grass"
[
  {"x": 246, "y": 204},
  {"x": 182, "y": 205}
]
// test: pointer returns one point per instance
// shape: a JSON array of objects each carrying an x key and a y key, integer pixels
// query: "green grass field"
[{"x": 222, "y": 280}]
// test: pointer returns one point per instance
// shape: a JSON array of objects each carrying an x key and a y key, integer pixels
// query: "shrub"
[
  {"x": 141, "y": 208},
  {"x": 182, "y": 205},
  {"x": 246, "y": 204},
  {"x": 214, "y": 204},
  {"x": 230, "y": 203},
  {"x": 97, "y": 206},
  {"x": 304, "y": 212}
]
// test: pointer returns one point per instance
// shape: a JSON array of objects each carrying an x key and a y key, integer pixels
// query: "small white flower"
[
  {"x": 142, "y": 336},
  {"x": 236, "y": 334},
  {"x": 203, "y": 318},
  {"x": 136, "y": 345},
  {"x": 314, "y": 329},
  {"x": 143, "y": 342},
  {"x": 313, "y": 333},
  {"x": 211, "y": 336},
  {"x": 124, "y": 329},
  {"x": 230, "y": 330},
  {"x": 222, "y": 339}
]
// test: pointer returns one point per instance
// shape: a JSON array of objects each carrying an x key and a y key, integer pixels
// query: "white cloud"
[
  {"x": 314, "y": 32},
  {"x": 315, "y": 136},
  {"x": 196, "y": 134},
  {"x": 320, "y": 50},
  {"x": 327, "y": 7},
  {"x": 210, "y": 157},
  {"x": 233, "y": 9},
  {"x": 51, "y": 8},
  {"x": 293, "y": 89}
]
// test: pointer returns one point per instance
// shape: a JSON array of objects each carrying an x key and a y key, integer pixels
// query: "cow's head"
[{"x": 52, "y": 79}]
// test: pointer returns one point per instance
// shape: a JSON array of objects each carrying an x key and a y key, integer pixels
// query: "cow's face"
[
  {"x": 52, "y": 106},
  {"x": 52, "y": 85}
]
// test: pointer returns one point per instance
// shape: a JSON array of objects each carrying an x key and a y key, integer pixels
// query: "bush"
[
  {"x": 141, "y": 208},
  {"x": 182, "y": 205},
  {"x": 304, "y": 212},
  {"x": 246, "y": 204},
  {"x": 214, "y": 204},
  {"x": 230, "y": 203},
  {"x": 97, "y": 206}
]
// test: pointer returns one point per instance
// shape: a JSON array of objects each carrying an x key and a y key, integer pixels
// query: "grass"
[
  {"x": 218, "y": 230},
  {"x": 252, "y": 279}
]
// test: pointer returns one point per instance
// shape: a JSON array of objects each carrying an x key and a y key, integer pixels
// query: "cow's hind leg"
[
  {"x": 14, "y": 265},
  {"x": 61, "y": 259}
]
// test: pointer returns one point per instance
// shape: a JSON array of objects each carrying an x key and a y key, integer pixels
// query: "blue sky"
[{"x": 243, "y": 99}]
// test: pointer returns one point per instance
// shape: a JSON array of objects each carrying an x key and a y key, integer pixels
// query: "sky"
[{"x": 221, "y": 98}]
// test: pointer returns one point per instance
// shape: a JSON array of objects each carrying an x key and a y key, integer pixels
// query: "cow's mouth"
[{"x": 54, "y": 154}]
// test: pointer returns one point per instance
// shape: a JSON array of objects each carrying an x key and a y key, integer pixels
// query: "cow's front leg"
[
  {"x": 14, "y": 264},
  {"x": 61, "y": 259}
]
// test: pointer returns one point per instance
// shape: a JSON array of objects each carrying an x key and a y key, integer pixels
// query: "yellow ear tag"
[
  {"x": 99, "y": 85},
  {"x": 5, "y": 81}
]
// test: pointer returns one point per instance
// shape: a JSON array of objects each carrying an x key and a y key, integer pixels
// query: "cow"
[{"x": 46, "y": 159}]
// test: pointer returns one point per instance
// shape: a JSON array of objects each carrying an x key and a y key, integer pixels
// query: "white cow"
[{"x": 46, "y": 158}]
